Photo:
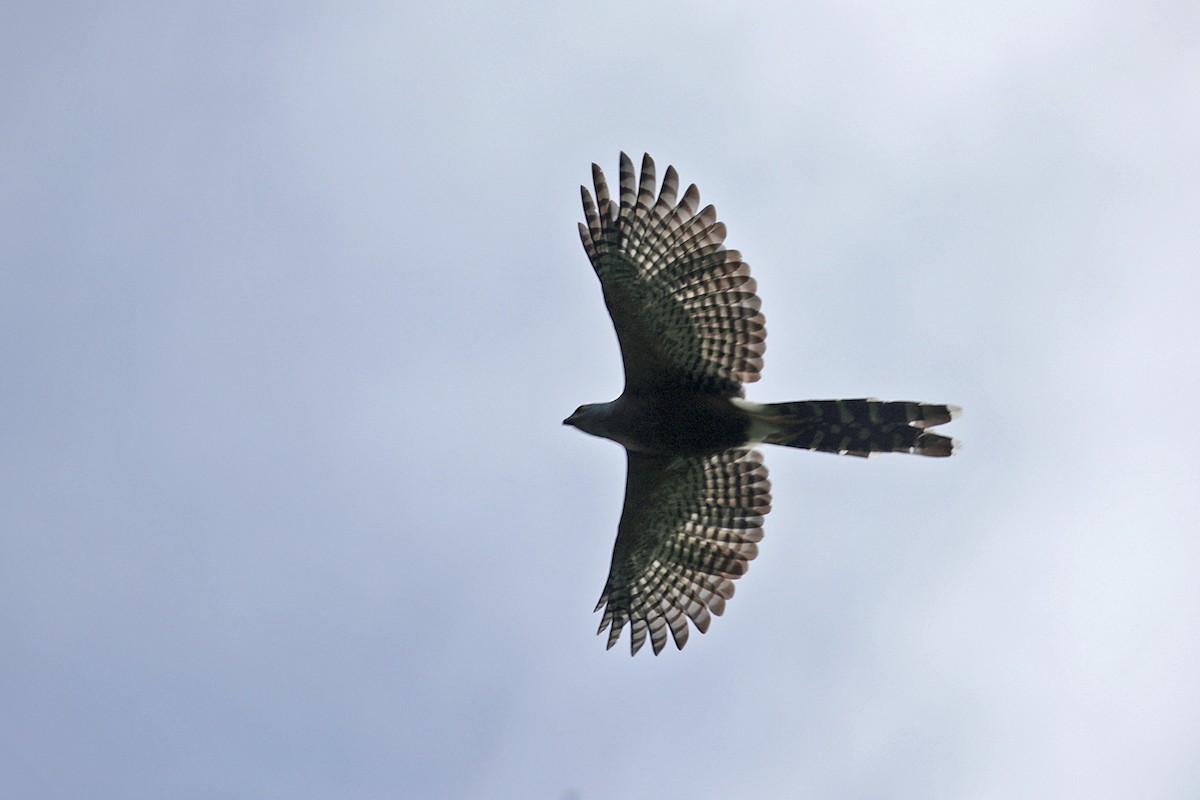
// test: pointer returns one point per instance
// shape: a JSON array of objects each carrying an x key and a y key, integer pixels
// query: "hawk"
[{"x": 691, "y": 332}]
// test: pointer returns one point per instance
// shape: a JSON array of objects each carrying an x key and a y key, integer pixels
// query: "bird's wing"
[
  {"x": 689, "y": 528},
  {"x": 684, "y": 307}
]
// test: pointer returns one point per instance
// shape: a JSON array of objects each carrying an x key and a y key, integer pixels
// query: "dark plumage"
[{"x": 691, "y": 331}]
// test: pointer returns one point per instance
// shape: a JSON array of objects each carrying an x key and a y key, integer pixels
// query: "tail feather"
[{"x": 861, "y": 427}]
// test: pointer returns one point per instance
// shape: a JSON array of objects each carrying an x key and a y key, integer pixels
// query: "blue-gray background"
[{"x": 293, "y": 305}]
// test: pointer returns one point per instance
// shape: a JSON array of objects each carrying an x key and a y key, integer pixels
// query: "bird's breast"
[{"x": 678, "y": 423}]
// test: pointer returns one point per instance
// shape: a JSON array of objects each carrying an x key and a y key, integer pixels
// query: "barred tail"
[{"x": 860, "y": 427}]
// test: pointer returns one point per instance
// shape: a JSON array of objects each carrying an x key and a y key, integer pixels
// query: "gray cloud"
[{"x": 294, "y": 306}]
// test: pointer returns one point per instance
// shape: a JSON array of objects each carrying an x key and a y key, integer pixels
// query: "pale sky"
[{"x": 293, "y": 306}]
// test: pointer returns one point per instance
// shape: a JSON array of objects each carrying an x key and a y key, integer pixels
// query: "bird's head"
[{"x": 590, "y": 418}]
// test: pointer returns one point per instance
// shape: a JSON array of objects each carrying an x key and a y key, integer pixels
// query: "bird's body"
[
  {"x": 651, "y": 424},
  {"x": 688, "y": 319}
]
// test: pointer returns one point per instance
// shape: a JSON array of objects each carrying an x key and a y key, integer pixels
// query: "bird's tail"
[{"x": 857, "y": 427}]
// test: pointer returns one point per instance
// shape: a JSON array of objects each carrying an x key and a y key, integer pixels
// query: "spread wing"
[
  {"x": 684, "y": 307},
  {"x": 689, "y": 528}
]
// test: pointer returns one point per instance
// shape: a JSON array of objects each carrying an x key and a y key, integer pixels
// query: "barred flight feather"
[
  {"x": 668, "y": 281},
  {"x": 695, "y": 526}
]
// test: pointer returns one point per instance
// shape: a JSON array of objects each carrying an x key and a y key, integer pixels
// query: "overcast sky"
[{"x": 292, "y": 306}]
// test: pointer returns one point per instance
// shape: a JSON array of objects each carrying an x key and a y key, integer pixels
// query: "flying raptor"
[{"x": 691, "y": 334}]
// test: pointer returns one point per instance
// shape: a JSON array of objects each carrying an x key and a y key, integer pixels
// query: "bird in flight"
[{"x": 691, "y": 332}]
